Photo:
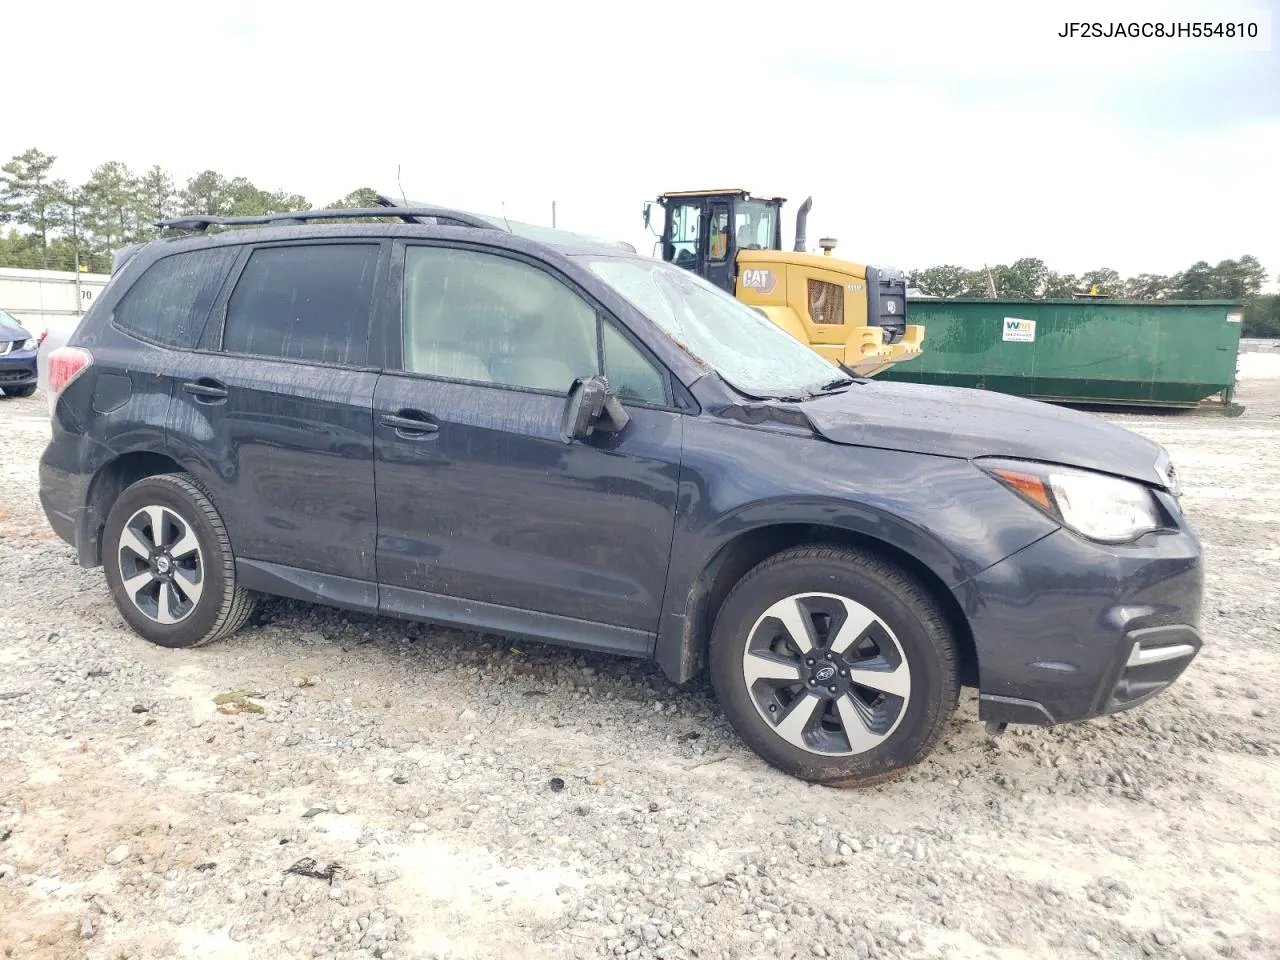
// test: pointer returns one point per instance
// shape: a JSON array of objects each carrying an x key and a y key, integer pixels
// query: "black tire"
[
  {"x": 906, "y": 619},
  {"x": 20, "y": 392},
  {"x": 222, "y": 606}
]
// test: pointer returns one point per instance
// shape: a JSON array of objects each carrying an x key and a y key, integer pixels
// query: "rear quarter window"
[{"x": 170, "y": 302}]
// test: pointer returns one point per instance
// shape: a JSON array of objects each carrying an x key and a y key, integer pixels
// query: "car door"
[
  {"x": 275, "y": 416},
  {"x": 485, "y": 515}
]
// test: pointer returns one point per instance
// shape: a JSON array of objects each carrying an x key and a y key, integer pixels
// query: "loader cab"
[{"x": 704, "y": 230}]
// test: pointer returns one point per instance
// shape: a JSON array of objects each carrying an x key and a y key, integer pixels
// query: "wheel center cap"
[
  {"x": 163, "y": 564},
  {"x": 824, "y": 672}
]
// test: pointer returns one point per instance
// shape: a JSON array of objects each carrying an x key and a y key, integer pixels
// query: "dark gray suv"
[{"x": 448, "y": 419}]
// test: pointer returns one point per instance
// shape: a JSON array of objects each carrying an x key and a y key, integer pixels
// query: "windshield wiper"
[{"x": 838, "y": 383}]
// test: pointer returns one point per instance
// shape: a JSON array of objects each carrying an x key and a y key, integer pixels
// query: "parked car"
[
  {"x": 442, "y": 420},
  {"x": 19, "y": 371}
]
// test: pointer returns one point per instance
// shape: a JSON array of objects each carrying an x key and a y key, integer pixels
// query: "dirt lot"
[{"x": 490, "y": 801}]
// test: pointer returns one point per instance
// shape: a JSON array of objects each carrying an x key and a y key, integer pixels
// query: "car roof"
[
  {"x": 284, "y": 225},
  {"x": 189, "y": 236},
  {"x": 193, "y": 230}
]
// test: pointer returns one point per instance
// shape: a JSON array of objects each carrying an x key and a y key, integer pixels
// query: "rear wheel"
[
  {"x": 169, "y": 564},
  {"x": 834, "y": 665},
  {"x": 26, "y": 391}
]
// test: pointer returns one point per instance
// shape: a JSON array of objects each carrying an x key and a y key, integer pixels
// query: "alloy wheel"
[
  {"x": 161, "y": 565},
  {"x": 827, "y": 674}
]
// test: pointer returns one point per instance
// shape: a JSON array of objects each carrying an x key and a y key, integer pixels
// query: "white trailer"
[{"x": 50, "y": 301}]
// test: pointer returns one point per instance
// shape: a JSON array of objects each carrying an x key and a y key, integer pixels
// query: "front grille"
[
  {"x": 826, "y": 302},
  {"x": 13, "y": 376}
]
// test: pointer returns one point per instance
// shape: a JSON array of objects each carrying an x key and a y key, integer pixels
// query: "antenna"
[
  {"x": 401, "y": 186},
  {"x": 504, "y": 217}
]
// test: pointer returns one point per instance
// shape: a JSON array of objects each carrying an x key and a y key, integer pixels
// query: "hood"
[
  {"x": 960, "y": 422},
  {"x": 11, "y": 329}
]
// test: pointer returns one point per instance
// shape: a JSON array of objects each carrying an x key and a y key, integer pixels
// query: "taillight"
[{"x": 65, "y": 364}]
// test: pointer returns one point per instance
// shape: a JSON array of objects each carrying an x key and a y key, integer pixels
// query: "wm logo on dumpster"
[{"x": 1019, "y": 331}]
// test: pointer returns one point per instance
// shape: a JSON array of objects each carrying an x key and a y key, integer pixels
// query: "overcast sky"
[{"x": 926, "y": 133}]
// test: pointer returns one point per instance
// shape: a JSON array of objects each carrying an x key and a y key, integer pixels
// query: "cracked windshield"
[{"x": 753, "y": 355}]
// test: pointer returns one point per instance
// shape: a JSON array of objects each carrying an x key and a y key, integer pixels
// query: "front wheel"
[
  {"x": 834, "y": 665},
  {"x": 169, "y": 564}
]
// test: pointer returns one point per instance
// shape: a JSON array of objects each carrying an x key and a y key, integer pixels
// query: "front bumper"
[
  {"x": 1066, "y": 629},
  {"x": 19, "y": 369}
]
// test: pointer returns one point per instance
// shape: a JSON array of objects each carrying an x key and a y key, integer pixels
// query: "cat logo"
[{"x": 759, "y": 280}]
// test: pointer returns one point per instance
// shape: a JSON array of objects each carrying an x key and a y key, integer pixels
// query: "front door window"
[{"x": 490, "y": 319}]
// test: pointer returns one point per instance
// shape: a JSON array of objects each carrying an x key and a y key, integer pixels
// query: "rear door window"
[
  {"x": 170, "y": 302},
  {"x": 308, "y": 302}
]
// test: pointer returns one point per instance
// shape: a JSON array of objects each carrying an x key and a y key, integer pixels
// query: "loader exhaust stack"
[{"x": 802, "y": 220}]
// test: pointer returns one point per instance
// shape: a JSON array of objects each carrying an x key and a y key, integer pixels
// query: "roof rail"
[{"x": 198, "y": 223}]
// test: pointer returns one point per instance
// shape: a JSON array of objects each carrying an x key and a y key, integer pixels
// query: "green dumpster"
[{"x": 1172, "y": 353}]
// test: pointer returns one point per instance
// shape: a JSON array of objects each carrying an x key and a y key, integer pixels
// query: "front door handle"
[
  {"x": 410, "y": 423},
  {"x": 206, "y": 390}
]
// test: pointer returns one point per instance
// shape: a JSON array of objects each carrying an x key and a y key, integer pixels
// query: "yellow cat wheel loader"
[{"x": 852, "y": 314}]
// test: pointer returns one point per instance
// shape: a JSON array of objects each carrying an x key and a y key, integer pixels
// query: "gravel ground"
[{"x": 465, "y": 798}]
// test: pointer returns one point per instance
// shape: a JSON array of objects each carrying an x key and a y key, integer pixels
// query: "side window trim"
[
  {"x": 215, "y": 328},
  {"x": 211, "y": 338}
]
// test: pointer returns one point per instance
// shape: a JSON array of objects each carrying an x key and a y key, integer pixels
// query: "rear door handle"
[
  {"x": 206, "y": 390},
  {"x": 410, "y": 423}
]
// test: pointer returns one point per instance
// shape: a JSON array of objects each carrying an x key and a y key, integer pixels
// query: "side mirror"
[
  {"x": 589, "y": 407},
  {"x": 648, "y": 207}
]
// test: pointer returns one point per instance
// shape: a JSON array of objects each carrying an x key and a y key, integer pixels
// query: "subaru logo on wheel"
[{"x": 825, "y": 674}]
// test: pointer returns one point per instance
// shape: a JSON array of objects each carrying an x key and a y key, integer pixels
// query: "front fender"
[{"x": 942, "y": 512}]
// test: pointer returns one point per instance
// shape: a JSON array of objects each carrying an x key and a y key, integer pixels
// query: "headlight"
[
  {"x": 1094, "y": 505},
  {"x": 30, "y": 344}
]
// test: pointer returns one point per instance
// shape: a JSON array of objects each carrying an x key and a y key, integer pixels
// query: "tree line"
[
  {"x": 1029, "y": 278},
  {"x": 48, "y": 223}
]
